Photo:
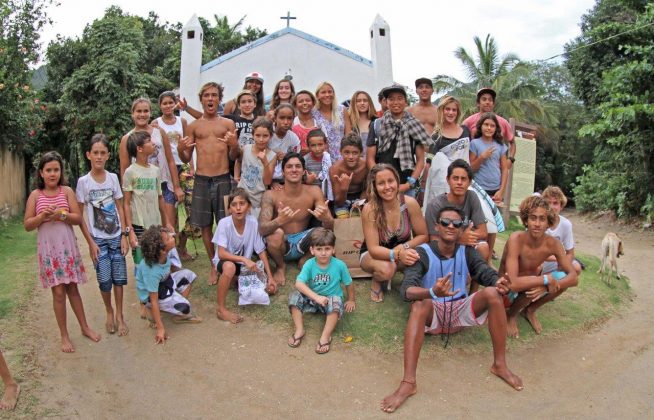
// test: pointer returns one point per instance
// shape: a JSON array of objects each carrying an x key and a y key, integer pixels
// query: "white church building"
[{"x": 288, "y": 52}]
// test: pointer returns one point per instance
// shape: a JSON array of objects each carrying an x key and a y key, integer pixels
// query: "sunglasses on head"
[{"x": 445, "y": 222}]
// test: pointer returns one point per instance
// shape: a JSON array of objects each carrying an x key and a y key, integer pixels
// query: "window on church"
[
  {"x": 382, "y": 32},
  {"x": 371, "y": 34},
  {"x": 190, "y": 35}
]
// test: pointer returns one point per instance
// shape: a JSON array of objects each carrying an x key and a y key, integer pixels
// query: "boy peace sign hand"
[
  {"x": 443, "y": 285},
  {"x": 310, "y": 177}
]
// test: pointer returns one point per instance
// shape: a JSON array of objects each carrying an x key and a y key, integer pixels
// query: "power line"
[{"x": 599, "y": 41}]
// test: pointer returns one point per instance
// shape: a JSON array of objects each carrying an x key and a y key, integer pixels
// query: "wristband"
[
  {"x": 411, "y": 180},
  {"x": 545, "y": 280},
  {"x": 392, "y": 255},
  {"x": 433, "y": 295}
]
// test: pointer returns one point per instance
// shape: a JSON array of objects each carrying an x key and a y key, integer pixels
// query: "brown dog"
[{"x": 611, "y": 250}]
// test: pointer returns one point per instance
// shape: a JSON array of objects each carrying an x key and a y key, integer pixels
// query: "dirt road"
[{"x": 218, "y": 370}]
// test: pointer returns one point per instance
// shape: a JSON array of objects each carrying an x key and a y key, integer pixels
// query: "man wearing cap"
[
  {"x": 425, "y": 110},
  {"x": 253, "y": 83},
  {"x": 486, "y": 103},
  {"x": 399, "y": 139}
]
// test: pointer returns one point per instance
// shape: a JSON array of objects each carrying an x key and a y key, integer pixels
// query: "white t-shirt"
[
  {"x": 175, "y": 132},
  {"x": 100, "y": 203},
  {"x": 290, "y": 143},
  {"x": 563, "y": 232},
  {"x": 242, "y": 245}
]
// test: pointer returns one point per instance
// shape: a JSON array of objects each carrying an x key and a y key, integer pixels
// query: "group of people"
[{"x": 274, "y": 181}]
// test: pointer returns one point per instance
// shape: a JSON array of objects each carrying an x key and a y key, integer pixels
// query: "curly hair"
[
  {"x": 152, "y": 244},
  {"x": 532, "y": 203}
]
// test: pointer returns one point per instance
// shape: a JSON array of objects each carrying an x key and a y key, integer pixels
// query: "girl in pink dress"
[{"x": 52, "y": 209}]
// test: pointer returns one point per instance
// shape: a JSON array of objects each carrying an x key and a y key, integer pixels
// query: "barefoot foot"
[
  {"x": 110, "y": 323},
  {"x": 392, "y": 402},
  {"x": 213, "y": 276},
  {"x": 226, "y": 315},
  {"x": 122, "y": 328},
  {"x": 90, "y": 334},
  {"x": 504, "y": 373},
  {"x": 512, "y": 327},
  {"x": 280, "y": 276},
  {"x": 530, "y": 316},
  {"x": 67, "y": 345},
  {"x": 10, "y": 397}
]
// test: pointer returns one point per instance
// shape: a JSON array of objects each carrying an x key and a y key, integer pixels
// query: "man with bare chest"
[
  {"x": 348, "y": 175},
  {"x": 425, "y": 110},
  {"x": 522, "y": 261},
  {"x": 214, "y": 139},
  {"x": 286, "y": 213}
]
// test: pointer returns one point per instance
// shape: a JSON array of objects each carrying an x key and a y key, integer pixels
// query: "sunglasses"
[{"x": 445, "y": 222}]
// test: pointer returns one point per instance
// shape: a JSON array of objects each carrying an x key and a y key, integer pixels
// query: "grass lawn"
[
  {"x": 19, "y": 280},
  {"x": 380, "y": 327}
]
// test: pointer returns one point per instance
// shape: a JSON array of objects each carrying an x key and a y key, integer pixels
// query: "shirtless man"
[
  {"x": 348, "y": 174},
  {"x": 216, "y": 142},
  {"x": 285, "y": 216},
  {"x": 425, "y": 110},
  {"x": 524, "y": 253},
  {"x": 435, "y": 286}
]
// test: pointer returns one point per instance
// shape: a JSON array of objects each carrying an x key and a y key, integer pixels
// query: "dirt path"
[{"x": 219, "y": 370}]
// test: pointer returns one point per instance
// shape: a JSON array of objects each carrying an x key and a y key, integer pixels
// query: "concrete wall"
[
  {"x": 12, "y": 183},
  {"x": 308, "y": 62}
]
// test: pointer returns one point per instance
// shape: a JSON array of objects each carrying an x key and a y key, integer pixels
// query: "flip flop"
[
  {"x": 296, "y": 341},
  {"x": 379, "y": 294},
  {"x": 327, "y": 344},
  {"x": 192, "y": 320}
]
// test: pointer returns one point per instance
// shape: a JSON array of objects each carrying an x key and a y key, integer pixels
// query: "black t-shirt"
[{"x": 442, "y": 141}]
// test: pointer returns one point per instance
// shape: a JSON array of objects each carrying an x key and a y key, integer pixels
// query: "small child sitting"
[
  {"x": 159, "y": 286},
  {"x": 318, "y": 161},
  {"x": 318, "y": 289}
]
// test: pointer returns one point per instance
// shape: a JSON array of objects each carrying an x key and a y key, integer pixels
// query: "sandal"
[
  {"x": 296, "y": 341},
  {"x": 327, "y": 344},
  {"x": 377, "y": 296}
]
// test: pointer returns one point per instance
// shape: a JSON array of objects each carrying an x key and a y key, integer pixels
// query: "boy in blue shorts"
[{"x": 318, "y": 289}]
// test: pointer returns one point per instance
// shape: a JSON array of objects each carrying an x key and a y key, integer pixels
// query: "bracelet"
[
  {"x": 411, "y": 180},
  {"x": 433, "y": 295},
  {"x": 545, "y": 280},
  {"x": 392, "y": 255}
]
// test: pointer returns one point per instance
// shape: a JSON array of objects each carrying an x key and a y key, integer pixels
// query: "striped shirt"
[{"x": 59, "y": 201}]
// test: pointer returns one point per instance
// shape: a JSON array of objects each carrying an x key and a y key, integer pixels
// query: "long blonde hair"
[
  {"x": 375, "y": 201},
  {"x": 354, "y": 112},
  {"x": 336, "y": 119},
  {"x": 440, "y": 112}
]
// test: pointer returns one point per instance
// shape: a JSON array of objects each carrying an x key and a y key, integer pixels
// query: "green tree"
[
  {"x": 20, "y": 108},
  {"x": 619, "y": 93},
  {"x": 518, "y": 95}
]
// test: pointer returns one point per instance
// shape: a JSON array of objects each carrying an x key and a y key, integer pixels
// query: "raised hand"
[
  {"x": 321, "y": 212},
  {"x": 261, "y": 155},
  {"x": 343, "y": 181},
  {"x": 184, "y": 144},
  {"x": 280, "y": 155},
  {"x": 285, "y": 214},
  {"x": 181, "y": 104},
  {"x": 443, "y": 285},
  {"x": 310, "y": 177},
  {"x": 230, "y": 139},
  {"x": 469, "y": 236},
  {"x": 488, "y": 153}
]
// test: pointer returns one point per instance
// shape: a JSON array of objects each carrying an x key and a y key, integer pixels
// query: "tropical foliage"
[{"x": 611, "y": 64}]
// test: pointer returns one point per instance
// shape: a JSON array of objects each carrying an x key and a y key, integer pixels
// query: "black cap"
[
  {"x": 394, "y": 88},
  {"x": 424, "y": 80},
  {"x": 489, "y": 90}
]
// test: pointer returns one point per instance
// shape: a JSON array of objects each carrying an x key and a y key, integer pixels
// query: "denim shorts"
[
  {"x": 306, "y": 305},
  {"x": 168, "y": 196},
  {"x": 111, "y": 267}
]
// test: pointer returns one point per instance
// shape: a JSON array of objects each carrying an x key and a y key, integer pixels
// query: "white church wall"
[{"x": 309, "y": 64}]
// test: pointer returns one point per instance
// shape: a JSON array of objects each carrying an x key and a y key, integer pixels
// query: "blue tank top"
[{"x": 438, "y": 268}]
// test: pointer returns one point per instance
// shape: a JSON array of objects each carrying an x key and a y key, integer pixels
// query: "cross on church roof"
[{"x": 288, "y": 18}]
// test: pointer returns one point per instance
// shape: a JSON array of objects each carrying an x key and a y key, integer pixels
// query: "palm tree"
[{"x": 507, "y": 75}]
